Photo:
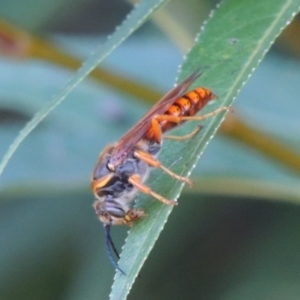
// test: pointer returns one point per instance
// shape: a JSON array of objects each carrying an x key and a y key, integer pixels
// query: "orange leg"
[
  {"x": 157, "y": 134},
  {"x": 136, "y": 182},
  {"x": 153, "y": 162},
  {"x": 178, "y": 119},
  {"x": 184, "y": 137}
]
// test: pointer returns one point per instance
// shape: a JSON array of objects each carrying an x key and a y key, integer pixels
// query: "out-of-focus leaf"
[
  {"x": 50, "y": 238},
  {"x": 131, "y": 23},
  {"x": 33, "y": 14}
]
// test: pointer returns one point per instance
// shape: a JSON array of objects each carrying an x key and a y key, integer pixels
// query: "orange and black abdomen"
[{"x": 187, "y": 105}]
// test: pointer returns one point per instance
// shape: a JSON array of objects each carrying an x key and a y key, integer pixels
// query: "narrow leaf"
[{"x": 229, "y": 48}]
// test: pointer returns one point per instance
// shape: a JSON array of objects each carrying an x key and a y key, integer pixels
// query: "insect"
[{"x": 122, "y": 168}]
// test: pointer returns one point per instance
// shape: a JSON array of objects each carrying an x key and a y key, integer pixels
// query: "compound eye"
[
  {"x": 116, "y": 212},
  {"x": 100, "y": 170}
]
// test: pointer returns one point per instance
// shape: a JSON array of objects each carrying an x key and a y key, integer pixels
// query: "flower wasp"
[{"x": 123, "y": 167}]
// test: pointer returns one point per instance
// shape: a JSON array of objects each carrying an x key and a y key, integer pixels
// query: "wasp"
[{"x": 123, "y": 168}]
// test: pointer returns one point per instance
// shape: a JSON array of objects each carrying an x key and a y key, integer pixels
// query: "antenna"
[{"x": 110, "y": 245}]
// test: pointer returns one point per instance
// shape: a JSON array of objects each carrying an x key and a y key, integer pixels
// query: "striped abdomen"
[{"x": 187, "y": 105}]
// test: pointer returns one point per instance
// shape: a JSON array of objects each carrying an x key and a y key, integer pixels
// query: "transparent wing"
[{"x": 137, "y": 132}]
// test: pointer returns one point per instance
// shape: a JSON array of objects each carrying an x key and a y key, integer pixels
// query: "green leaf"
[
  {"x": 133, "y": 21},
  {"x": 229, "y": 48}
]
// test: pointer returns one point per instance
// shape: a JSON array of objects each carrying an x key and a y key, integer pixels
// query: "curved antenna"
[{"x": 110, "y": 245}]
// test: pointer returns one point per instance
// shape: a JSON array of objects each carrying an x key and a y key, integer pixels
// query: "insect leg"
[
  {"x": 153, "y": 162},
  {"x": 156, "y": 130},
  {"x": 178, "y": 119},
  {"x": 136, "y": 182},
  {"x": 184, "y": 137}
]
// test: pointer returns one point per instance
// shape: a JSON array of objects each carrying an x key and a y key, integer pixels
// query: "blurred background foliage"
[{"x": 234, "y": 236}]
